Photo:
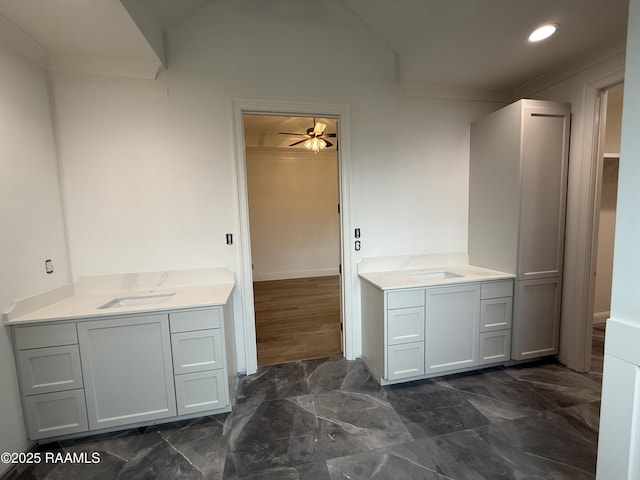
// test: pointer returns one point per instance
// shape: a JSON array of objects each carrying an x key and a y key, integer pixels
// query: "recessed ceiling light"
[{"x": 545, "y": 31}]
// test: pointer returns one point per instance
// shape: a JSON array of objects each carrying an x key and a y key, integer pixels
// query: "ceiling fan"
[{"x": 314, "y": 139}]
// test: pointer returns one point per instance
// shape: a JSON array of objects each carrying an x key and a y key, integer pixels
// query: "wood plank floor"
[{"x": 297, "y": 319}]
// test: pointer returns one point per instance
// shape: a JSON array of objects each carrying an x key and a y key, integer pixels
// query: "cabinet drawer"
[
  {"x": 200, "y": 391},
  {"x": 405, "y": 298},
  {"x": 50, "y": 369},
  {"x": 195, "y": 320},
  {"x": 405, "y": 325},
  {"x": 405, "y": 360},
  {"x": 502, "y": 288},
  {"x": 197, "y": 351},
  {"x": 59, "y": 413},
  {"x": 495, "y": 347},
  {"x": 495, "y": 314},
  {"x": 37, "y": 336}
]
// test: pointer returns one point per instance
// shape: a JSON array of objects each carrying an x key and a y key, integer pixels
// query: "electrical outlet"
[{"x": 48, "y": 265}]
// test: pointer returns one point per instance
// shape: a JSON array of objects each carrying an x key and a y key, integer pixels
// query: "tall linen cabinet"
[{"x": 517, "y": 203}]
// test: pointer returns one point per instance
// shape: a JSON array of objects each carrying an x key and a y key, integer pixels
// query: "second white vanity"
[{"x": 426, "y": 319}]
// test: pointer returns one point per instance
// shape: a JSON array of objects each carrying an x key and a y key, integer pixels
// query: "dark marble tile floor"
[{"x": 328, "y": 419}]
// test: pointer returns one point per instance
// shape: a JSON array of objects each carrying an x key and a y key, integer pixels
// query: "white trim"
[
  {"x": 592, "y": 149},
  {"x": 245, "y": 274},
  {"x": 569, "y": 70},
  {"x": 619, "y": 435}
]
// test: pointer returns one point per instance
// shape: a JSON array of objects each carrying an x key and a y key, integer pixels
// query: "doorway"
[
  {"x": 605, "y": 216},
  {"x": 293, "y": 195}
]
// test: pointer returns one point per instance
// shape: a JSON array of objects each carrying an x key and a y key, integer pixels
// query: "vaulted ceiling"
[{"x": 472, "y": 43}]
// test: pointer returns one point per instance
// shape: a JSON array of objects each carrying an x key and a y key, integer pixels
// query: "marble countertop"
[
  {"x": 411, "y": 278},
  {"x": 82, "y": 302}
]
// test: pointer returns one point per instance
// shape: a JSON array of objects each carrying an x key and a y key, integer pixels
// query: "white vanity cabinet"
[
  {"x": 127, "y": 370},
  {"x": 414, "y": 333},
  {"x": 103, "y": 373},
  {"x": 50, "y": 376},
  {"x": 517, "y": 201}
]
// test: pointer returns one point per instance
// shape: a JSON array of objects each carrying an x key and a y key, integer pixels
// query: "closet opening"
[{"x": 609, "y": 129}]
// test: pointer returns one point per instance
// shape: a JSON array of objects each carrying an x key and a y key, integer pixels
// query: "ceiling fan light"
[
  {"x": 543, "y": 32},
  {"x": 315, "y": 144}
]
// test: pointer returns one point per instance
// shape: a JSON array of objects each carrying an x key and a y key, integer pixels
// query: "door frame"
[
  {"x": 244, "y": 275},
  {"x": 592, "y": 146}
]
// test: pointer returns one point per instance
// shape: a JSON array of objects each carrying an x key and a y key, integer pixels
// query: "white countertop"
[
  {"x": 83, "y": 299},
  {"x": 395, "y": 279},
  {"x": 84, "y": 306}
]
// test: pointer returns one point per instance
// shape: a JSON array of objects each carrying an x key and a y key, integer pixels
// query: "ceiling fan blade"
[
  {"x": 298, "y": 143},
  {"x": 332, "y": 135},
  {"x": 291, "y": 133},
  {"x": 328, "y": 144},
  {"x": 319, "y": 128}
]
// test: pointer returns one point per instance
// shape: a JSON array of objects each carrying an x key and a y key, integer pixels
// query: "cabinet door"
[
  {"x": 405, "y": 360},
  {"x": 58, "y": 413},
  {"x": 127, "y": 370},
  {"x": 536, "y": 322},
  {"x": 495, "y": 347},
  {"x": 543, "y": 180},
  {"x": 50, "y": 369},
  {"x": 201, "y": 391},
  {"x": 197, "y": 351},
  {"x": 453, "y": 319},
  {"x": 405, "y": 325}
]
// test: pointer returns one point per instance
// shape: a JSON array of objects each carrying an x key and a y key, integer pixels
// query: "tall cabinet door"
[
  {"x": 127, "y": 371},
  {"x": 452, "y": 327},
  {"x": 543, "y": 177},
  {"x": 537, "y": 327}
]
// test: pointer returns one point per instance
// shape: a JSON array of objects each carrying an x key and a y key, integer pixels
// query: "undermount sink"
[
  {"x": 137, "y": 301},
  {"x": 434, "y": 275}
]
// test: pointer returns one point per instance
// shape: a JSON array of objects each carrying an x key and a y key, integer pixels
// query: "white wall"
[
  {"x": 293, "y": 211},
  {"x": 619, "y": 439},
  {"x": 418, "y": 200},
  {"x": 149, "y": 166},
  {"x": 30, "y": 215}
]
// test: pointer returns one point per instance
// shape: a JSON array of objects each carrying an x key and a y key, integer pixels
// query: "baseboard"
[
  {"x": 321, "y": 272},
  {"x": 600, "y": 317}
]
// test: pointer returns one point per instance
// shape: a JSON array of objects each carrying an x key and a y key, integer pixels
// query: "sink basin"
[
  {"x": 137, "y": 301},
  {"x": 434, "y": 275}
]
